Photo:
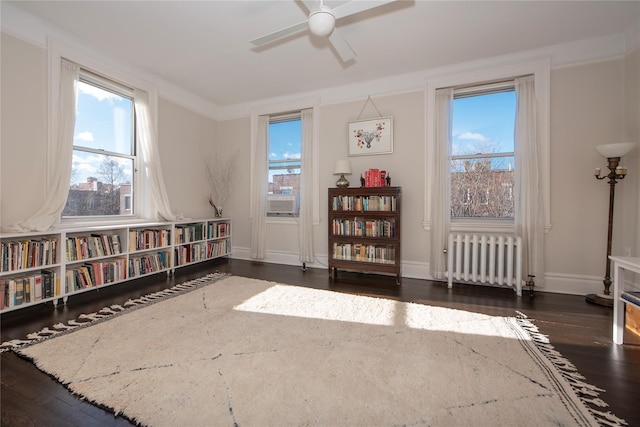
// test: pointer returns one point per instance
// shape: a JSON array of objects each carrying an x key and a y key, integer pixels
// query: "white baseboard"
[
  {"x": 410, "y": 269},
  {"x": 572, "y": 284}
]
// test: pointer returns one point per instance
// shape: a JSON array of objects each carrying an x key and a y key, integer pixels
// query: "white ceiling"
[{"x": 203, "y": 46}]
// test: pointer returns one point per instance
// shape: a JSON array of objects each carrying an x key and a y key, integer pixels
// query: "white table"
[{"x": 620, "y": 265}]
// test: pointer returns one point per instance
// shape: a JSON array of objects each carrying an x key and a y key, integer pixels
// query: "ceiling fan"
[{"x": 321, "y": 22}]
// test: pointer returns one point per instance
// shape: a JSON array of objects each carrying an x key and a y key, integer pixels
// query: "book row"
[
  {"x": 19, "y": 255},
  {"x": 93, "y": 246},
  {"x": 364, "y": 253},
  {"x": 364, "y": 203},
  {"x": 186, "y": 233},
  {"x": 146, "y": 264},
  {"x": 216, "y": 249},
  {"x": 220, "y": 229},
  {"x": 95, "y": 274},
  {"x": 25, "y": 289},
  {"x": 364, "y": 228},
  {"x": 148, "y": 239},
  {"x": 201, "y": 251}
]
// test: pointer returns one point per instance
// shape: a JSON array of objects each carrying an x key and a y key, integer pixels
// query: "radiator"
[{"x": 488, "y": 259}]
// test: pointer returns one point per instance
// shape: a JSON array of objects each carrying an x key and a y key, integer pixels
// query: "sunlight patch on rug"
[{"x": 286, "y": 300}]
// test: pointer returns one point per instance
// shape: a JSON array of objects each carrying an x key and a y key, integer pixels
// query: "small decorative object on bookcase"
[{"x": 342, "y": 168}]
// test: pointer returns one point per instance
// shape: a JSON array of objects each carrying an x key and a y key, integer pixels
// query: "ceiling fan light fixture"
[{"x": 322, "y": 22}]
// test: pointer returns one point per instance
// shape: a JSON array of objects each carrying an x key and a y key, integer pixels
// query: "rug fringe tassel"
[
  {"x": 110, "y": 311},
  {"x": 608, "y": 419},
  {"x": 587, "y": 393}
]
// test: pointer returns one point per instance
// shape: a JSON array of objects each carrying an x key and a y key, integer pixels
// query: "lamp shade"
[
  {"x": 342, "y": 167},
  {"x": 615, "y": 150},
  {"x": 322, "y": 22}
]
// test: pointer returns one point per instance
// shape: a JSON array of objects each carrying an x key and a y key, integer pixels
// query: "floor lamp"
[{"x": 613, "y": 153}]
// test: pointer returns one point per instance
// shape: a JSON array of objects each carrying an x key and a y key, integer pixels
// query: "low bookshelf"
[
  {"x": 42, "y": 267},
  {"x": 364, "y": 230}
]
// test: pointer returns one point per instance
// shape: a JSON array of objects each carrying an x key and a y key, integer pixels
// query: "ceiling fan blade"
[
  {"x": 268, "y": 38},
  {"x": 358, "y": 6},
  {"x": 341, "y": 46}
]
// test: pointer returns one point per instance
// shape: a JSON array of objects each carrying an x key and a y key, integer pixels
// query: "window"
[
  {"x": 104, "y": 150},
  {"x": 482, "y": 152},
  {"x": 285, "y": 146}
]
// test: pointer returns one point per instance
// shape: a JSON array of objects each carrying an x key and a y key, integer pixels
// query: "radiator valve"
[{"x": 530, "y": 283}]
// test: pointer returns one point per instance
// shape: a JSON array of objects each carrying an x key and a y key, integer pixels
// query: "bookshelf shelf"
[
  {"x": 41, "y": 267},
  {"x": 364, "y": 230}
]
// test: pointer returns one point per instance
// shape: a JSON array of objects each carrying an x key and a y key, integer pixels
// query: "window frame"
[
  {"x": 487, "y": 72},
  {"x": 109, "y": 85},
  {"x": 282, "y": 163},
  {"x": 468, "y": 91},
  {"x": 275, "y": 109}
]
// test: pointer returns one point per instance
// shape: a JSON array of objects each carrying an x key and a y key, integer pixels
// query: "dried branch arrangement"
[{"x": 222, "y": 176}]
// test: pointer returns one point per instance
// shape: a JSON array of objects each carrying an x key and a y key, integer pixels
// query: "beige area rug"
[{"x": 235, "y": 351}]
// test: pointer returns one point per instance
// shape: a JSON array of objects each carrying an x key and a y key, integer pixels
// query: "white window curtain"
[
  {"x": 57, "y": 188},
  {"x": 148, "y": 143},
  {"x": 441, "y": 200},
  {"x": 529, "y": 223},
  {"x": 306, "y": 189},
  {"x": 259, "y": 189}
]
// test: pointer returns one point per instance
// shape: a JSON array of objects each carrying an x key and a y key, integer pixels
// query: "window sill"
[
  {"x": 488, "y": 226},
  {"x": 282, "y": 220}
]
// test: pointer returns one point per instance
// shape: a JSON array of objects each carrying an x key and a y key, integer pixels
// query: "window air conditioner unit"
[{"x": 282, "y": 204}]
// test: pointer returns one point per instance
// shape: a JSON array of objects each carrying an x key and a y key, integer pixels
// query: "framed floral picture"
[{"x": 374, "y": 136}]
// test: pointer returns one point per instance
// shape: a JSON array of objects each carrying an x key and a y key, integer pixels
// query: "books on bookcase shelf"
[
  {"x": 364, "y": 227},
  {"x": 91, "y": 274},
  {"x": 375, "y": 178},
  {"x": 364, "y": 230},
  {"x": 363, "y": 203},
  {"x": 93, "y": 246},
  {"x": 148, "y": 263},
  {"x": 25, "y": 289},
  {"x": 28, "y": 253},
  {"x": 48, "y": 266},
  {"x": 186, "y": 233},
  {"x": 148, "y": 238}
]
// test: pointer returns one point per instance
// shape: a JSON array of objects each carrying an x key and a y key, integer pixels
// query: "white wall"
[
  {"x": 632, "y": 133},
  {"x": 586, "y": 110},
  {"x": 186, "y": 141},
  {"x": 591, "y": 104}
]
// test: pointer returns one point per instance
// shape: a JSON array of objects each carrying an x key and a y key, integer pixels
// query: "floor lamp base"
[{"x": 600, "y": 299}]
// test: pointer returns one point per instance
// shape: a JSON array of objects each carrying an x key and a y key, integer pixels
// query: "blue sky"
[
  {"x": 284, "y": 140},
  {"x": 480, "y": 121},
  {"x": 103, "y": 121}
]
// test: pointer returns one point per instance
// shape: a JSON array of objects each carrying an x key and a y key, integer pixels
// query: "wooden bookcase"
[
  {"x": 364, "y": 230},
  {"x": 41, "y": 267}
]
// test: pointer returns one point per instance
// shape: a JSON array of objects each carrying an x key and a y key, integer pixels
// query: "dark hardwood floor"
[{"x": 579, "y": 330}]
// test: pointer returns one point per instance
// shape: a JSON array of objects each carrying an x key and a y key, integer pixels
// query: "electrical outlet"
[{"x": 627, "y": 251}]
